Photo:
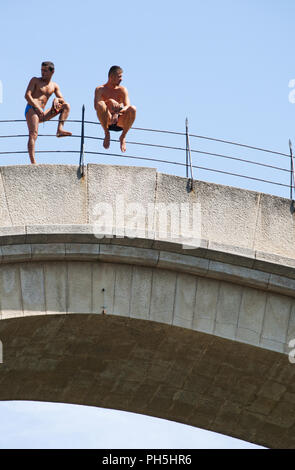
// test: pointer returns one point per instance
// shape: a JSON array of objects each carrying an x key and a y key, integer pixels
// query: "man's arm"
[
  {"x": 57, "y": 92},
  {"x": 59, "y": 100},
  {"x": 98, "y": 95},
  {"x": 29, "y": 97},
  {"x": 126, "y": 101}
]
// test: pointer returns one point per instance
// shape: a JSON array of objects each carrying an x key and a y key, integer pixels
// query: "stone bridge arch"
[{"x": 144, "y": 324}]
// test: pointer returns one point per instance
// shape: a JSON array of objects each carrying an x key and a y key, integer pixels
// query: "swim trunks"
[
  {"x": 114, "y": 127},
  {"x": 27, "y": 108}
]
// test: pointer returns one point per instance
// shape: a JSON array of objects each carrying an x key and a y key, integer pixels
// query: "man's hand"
[
  {"x": 114, "y": 118},
  {"x": 113, "y": 106},
  {"x": 40, "y": 113},
  {"x": 57, "y": 104}
]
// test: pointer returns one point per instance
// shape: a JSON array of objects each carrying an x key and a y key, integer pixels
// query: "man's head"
[
  {"x": 47, "y": 69},
  {"x": 115, "y": 75}
]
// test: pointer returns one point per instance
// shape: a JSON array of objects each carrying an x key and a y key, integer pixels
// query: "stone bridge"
[{"x": 105, "y": 300}]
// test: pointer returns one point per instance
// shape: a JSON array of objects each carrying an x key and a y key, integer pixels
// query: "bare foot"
[
  {"x": 106, "y": 142},
  {"x": 122, "y": 143},
  {"x": 63, "y": 133}
]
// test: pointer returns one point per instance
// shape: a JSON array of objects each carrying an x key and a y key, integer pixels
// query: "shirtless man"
[
  {"x": 113, "y": 108},
  {"x": 37, "y": 94}
]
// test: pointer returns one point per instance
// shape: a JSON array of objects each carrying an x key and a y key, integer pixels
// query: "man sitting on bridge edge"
[{"x": 112, "y": 105}]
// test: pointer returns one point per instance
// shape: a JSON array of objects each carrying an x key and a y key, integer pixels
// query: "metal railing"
[{"x": 288, "y": 182}]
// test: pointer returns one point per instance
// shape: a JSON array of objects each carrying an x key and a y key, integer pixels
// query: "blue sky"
[
  {"x": 224, "y": 64},
  {"x": 41, "y": 425}
]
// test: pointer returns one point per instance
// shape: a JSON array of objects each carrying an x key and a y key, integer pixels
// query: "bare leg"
[
  {"x": 104, "y": 117},
  {"x": 64, "y": 114},
  {"x": 65, "y": 111},
  {"x": 125, "y": 121},
  {"x": 33, "y": 124}
]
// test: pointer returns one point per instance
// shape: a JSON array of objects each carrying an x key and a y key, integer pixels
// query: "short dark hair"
[
  {"x": 115, "y": 69},
  {"x": 48, "y": 64}
]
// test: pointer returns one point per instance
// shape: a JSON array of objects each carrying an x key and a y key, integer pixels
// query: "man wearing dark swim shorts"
[
  {"x": 113, "y": 108},
  {"x": 37, "y": 94}
]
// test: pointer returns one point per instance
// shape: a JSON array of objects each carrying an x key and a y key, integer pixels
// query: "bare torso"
[
  {"x": 42, "y": 91},
  {"x": 118, "y": 94}
]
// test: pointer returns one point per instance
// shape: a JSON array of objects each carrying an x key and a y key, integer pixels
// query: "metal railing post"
[
  {"x": 188, "y": 157},
  {"x": 292, "y": 176},
  {"x": 81, "y": 164},
  {"x": 186, "y": 145}
]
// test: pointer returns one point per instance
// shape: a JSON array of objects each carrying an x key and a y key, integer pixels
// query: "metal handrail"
[
  {"x": 187, "y": 149},
  {"x": 266, "y": 165},
  {"x": 213, "y": 139}
]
